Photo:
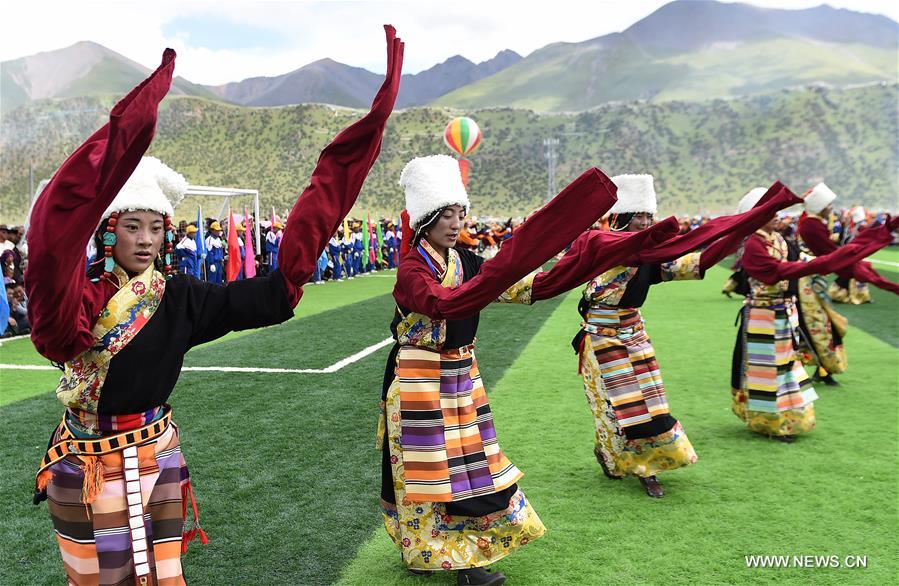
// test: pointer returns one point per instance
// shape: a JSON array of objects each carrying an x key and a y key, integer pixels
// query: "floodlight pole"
[{"x": 552, "y": 158}]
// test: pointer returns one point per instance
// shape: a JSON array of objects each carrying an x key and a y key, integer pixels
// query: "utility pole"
[{"x": 552, "y": 157}]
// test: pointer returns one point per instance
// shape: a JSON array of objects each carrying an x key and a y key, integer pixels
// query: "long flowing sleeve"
[
  {"x": 543, "y": 235},
  {"x": 63, "y": 302},
  {"x": 760, "y": 265},
  {"x": 814, "y": 234},
  {"x": 337, "y": 180},
  {"x": 731, "y": 229},
  {"x": 595, "y": 252},
  {"x": 777, "y": 198}
]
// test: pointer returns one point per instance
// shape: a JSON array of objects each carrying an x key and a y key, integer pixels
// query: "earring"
[
  {"x": 109, "y": 240},
  {"x": 169, "y": 238}
]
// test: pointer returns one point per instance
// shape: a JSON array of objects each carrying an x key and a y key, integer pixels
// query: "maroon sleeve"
[
  {"x": 337, "y": 180},
  {"x": 63, "y": 304},
  {"x": 544, "y": 234},
  {"x": 777, "y": 197},
  {"x": 759, "y": 265},
  {"x": 865, "y": 273},
  {"x": 814, "y": 233},
  {"x": 595, "y": 252}
]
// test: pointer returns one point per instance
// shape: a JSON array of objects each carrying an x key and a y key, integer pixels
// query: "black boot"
[
  {"x": 652, "y": 486},
  {"x": 421, "y": 573},
  {"x": 481, "y": 577},
  {"x": 829, "y": 380},
  {"x": 787, "y": 439}
]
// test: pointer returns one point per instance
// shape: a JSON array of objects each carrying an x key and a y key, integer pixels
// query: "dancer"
[
  {"x": 770, "y": 389},
  {"x": 450, "y": 496},
  {"x": 114, "y": 467},
  {"x": 851, "y": 284},
  {"x": 635, "y": 433}
]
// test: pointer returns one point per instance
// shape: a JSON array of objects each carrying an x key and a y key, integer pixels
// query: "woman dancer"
[
  {"x": 770, "y": 389},
  {"x": 114, "y": 467},
  {"x": 636, "y": 435}
]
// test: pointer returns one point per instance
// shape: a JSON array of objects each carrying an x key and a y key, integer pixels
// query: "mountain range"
[
  {"x": 704, "y": 155},
  {"x": 685, "y": 50}
]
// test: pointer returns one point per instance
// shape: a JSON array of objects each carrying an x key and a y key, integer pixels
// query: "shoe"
[
  {"x": 421, "y": 573},
  {"x": 481, "y": 577},
  {"x": 787, "y": 439},
  {"x": 652, "y": 486},
  {"x": 827, "y": 380}
]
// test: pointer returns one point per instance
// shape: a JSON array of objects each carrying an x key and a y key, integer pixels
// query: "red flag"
[
  {"x": 233, "y": 268},
  {"x": 249, "y": 265}
]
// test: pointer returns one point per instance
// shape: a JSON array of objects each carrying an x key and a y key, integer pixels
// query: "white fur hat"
[
  {"x": 748, "y": 201},
  {"x": 820, "y": 197},
  {"x": 153, "y": 186},
  {"x": 432, "y": 183},
  {"x": 636, "y": 194}
]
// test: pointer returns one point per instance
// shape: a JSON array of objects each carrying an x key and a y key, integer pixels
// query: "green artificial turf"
[
  {"x": 833, "y": 492},
  {"x": 287, "y": 477},
  {"x": 21, "y": 384},
  {"x": 284, "y": 466}
]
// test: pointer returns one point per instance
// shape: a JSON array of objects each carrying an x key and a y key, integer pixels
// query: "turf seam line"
[{"x": 884, "y": 262}]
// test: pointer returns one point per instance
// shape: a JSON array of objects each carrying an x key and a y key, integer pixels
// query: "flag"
[
  {"x": 249, "y": 265},
  {"x": 233, "y": 267},
  {"x": 200, "y": 240},
  {"x": 366, "y": 241},
  {"x": 380, "y": 241},
  {"x": 371, "y": 232}
]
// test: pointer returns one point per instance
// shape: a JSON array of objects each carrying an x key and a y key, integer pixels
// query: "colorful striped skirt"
[
  {"x": 635, "y": 432},
  {"x": 429, "y": 537},
  {"x": 771, "y": 391},
  {"x": 120, "y": 516}
]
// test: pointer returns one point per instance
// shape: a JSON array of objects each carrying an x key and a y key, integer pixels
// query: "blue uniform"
[
  {"x": 215, "y": 259},
  {"x": 334, "y": 252},
  {"x": 272, "y": 242},
  {"x": 358, "y": 249},
  {"x": 346, "y": 250},
  {"x": 187, "y": 256}
]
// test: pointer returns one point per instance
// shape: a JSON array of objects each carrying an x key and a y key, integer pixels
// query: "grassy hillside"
[
  {"x": 572, "y": 77},
  {"x": 704, "y": 155}
]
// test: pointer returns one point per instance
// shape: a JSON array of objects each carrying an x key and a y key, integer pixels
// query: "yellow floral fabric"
[
  {"x": 520, "y": 292},
  {"x": 685, "y": 268},
  {"x": 856, "y": 294},
  {"x": 789, "y": 422},
  {"x": 430, "y": 539},
  {"x": 122, "y": 318},
  {"x": 821, "y": 321}
]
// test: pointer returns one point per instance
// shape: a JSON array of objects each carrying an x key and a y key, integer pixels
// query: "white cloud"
[{"x": 346, "y": 31}]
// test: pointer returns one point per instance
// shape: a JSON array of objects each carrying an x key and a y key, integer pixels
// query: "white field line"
[
  {"x": 888, "y": 263},
  {"x": 329, "y": 370},
  {"x": 5, "y": 340}
]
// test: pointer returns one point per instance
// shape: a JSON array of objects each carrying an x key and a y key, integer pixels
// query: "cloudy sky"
[{"x": 229, "y": 40}]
